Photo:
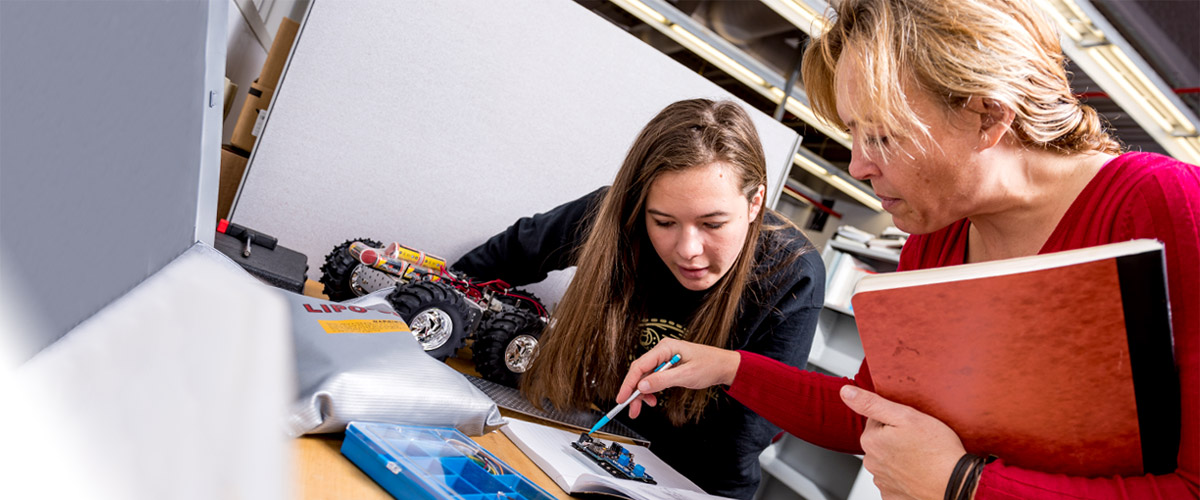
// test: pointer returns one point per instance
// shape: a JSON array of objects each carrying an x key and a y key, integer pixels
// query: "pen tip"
[{"x": 603, "y": 420}]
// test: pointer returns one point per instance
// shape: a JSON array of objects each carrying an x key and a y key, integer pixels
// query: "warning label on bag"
[{"x": 363, "y": 326}]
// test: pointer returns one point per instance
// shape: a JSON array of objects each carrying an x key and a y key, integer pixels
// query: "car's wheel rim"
[
  {"x": 519, "y": 353},
  {"x": 432, "y": 328}
]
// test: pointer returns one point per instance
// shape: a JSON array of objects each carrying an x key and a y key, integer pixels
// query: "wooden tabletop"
[{"x": 324, "y": 473}]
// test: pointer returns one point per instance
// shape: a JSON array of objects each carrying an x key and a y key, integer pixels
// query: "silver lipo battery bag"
[{"x": 357, "y": 360}]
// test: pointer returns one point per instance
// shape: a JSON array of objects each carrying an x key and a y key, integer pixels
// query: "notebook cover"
[{"x": 1036, "y": 367}]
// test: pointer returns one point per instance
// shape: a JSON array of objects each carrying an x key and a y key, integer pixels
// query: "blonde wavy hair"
[{"x": 955, "y": 50}]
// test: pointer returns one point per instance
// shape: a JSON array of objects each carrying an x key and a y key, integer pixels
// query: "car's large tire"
[
  {"x": 338, "y": 267},
  {"x": 436, "y": 312},
  {"x": 506, "y": 344}
]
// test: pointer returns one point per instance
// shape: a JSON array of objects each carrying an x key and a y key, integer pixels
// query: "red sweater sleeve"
[{"x": 805, "y": 404}]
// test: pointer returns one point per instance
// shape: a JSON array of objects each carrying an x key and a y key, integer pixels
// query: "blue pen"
[{"x": 636, "y": 393}]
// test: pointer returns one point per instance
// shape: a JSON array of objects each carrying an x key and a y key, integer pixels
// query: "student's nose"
[{"x": 691, "y": 244}]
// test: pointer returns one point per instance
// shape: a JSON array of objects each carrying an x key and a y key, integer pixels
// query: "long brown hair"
[
  {"x": 1004, "y": 50},
  {"x": 582, "y": 358}
]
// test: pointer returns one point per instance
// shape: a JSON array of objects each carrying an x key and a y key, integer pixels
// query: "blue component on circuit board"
[{"x": 614, "y": 459}]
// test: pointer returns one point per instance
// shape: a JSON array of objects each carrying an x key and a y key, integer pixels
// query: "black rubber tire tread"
[
  {"x": 410, "y": 298},
  {"x": 492, "y": 340},
  {"x": 335, "y": 272}
]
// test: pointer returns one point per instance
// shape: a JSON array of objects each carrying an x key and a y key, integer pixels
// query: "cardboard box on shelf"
[
  {"x": 233, "y": 167},
  {"x": 258, "y": 99},
  {"x": 229, "y": 93},
  {"x": 249, "y": 125},
  {"x": 276, "y": 57}
]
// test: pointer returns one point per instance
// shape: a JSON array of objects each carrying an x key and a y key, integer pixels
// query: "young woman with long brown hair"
[{"x": 680, "y": 246}]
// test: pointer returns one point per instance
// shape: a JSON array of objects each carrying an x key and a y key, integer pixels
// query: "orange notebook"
[{"x": 1060, "y": 362}]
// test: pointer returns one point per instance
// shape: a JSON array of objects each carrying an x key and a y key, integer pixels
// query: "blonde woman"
[
  {"x": 965, "y": 124},
  {"x": 680, "y": 246}
]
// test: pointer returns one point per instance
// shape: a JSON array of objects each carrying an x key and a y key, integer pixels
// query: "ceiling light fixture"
[
  {"x": 802, "y": 14},
  {"x": 700, "y": 40},
  {"x": 1093, "y": 44},
  {"x": 1096, "y": 46},
  {"x": 819, "y": 167},
  {"x": 676, "y": 25},
  {"x": 695, "y": 44}
]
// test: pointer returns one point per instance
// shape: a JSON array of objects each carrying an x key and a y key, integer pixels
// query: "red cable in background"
[
  {"x": 1087, "y": 95},
  {"x": 813, "y": 202}
]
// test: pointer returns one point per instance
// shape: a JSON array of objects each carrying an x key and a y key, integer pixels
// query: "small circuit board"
[{"x": 613, "y": 458}]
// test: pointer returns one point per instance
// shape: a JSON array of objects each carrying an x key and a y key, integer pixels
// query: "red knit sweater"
[{"x": 1136, "y": 195}]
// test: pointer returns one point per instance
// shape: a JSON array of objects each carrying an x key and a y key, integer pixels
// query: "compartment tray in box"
[{"x": 419, "y": 462}]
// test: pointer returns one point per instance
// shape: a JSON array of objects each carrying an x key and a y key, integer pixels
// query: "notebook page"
[{"x": 550, "y": 449}]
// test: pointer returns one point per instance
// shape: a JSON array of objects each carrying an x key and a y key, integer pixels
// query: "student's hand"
[
  {"x": 910, "y": 453},
  {"x": 699, "y": 367}
]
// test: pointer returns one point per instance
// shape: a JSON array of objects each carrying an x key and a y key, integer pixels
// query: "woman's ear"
[
  {"x": 995, "y": 120},
  {"x": 756, "y": 201}
]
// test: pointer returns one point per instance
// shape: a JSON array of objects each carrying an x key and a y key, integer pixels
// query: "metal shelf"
[{"x": 872, "y": 253}]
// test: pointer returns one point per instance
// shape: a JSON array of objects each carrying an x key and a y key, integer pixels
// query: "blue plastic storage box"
[{"x": 419, "y": 462}]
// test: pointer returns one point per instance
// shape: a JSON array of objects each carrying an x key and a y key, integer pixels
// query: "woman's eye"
[
  {"x": 714, "y": 225},
  {"x": 877, "y": 141},
  {"x": 663, "y": 223}
]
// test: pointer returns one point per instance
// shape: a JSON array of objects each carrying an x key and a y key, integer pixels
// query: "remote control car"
[
  {"x": 442, "y": 307},
  {"x": 614, "y": 459}
]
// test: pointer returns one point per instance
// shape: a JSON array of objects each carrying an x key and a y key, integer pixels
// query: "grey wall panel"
[
  {"x": 104, "y": 109},
  {"x": 437, "y": 124}
]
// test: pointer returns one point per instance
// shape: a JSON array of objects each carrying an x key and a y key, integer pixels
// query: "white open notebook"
[{"x": 550, "y": 449}]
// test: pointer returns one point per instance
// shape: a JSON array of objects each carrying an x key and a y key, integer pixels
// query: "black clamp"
[{"x": 247, "y": 236}]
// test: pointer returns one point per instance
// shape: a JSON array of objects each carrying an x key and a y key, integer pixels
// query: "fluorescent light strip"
[
  {"x": 1097, "y": 48},
  {"x": 689, "y": 39},
  {"x": 1160, "y": 101},
  {"x": 1102, "y": 57},
  {"x": 695, "y": 44},
  {"x": 799, "y": 14},
  {"x": 1065, "y": 25},
  {"x": 790, "y": 191},
  {"x": 1072, "y": 20},
  {"x": 824, "y": 172},
  {"x": 1108, "y": 52},
  {"x": 808, "y": 115},
  {"x": 653, "y": 14},
  {"x": 721, "y": 60},
  {"x": 806, "y": 17},
  {"x": 680, "y": 34},
  {"x": 1192, "y": 144}
]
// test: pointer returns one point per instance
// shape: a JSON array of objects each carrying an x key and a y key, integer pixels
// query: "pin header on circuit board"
[{"x": 614, "y": 459}]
